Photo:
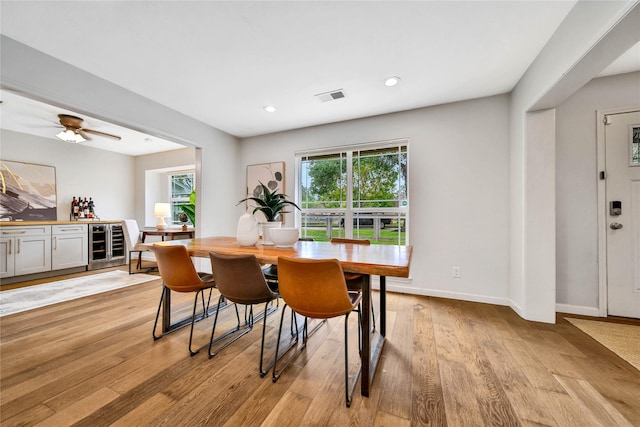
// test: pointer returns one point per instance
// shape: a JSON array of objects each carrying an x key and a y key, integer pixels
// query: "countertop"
[{"x": 85, "y": 221}]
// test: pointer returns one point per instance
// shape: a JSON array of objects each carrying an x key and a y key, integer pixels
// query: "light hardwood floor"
[{"x": 93, "y": 362}]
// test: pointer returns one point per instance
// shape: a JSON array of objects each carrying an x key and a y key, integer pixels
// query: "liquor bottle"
[
  {"x": 75, "y": 208},
  {"x": 79, "y": 207},
  {"x": 91, "y": 211},
  {"x": 73, "y": 205},
  {"x": 85, "y": 208}
]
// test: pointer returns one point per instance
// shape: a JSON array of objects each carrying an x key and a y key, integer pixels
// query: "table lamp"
[{"x": 161, "y": 210}]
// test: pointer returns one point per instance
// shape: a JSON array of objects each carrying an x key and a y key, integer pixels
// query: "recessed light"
[
  {"x": 269, "y": 108},
  {"x": 391, "y": 81}
]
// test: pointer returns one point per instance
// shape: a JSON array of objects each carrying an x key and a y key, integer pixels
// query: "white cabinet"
[
  {"x": 25, "y": 250},
  {"x": 7, "y": 245},
  {"x": 69, "y": 246}
]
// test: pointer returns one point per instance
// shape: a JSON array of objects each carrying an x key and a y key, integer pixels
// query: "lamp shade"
[{"x": 161, "y": 210}]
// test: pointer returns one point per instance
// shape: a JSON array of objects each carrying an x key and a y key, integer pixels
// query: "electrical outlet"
[{"x": 456, "y": 272}]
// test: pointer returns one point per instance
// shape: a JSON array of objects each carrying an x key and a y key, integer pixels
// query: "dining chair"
[
  {"x": 271, "y": 270},
  {"x": 240, "y": 280},
  {"x": 354, "y": 280},
  {"x": 134, "y": 241},
  {"x": 316, "y": 289},
  {"x": 179, "y": 275}
]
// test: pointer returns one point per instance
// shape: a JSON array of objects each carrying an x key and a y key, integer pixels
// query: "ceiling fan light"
[{"x": 69, "y": 135}]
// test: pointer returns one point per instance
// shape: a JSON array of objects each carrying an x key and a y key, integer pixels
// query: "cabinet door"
[
  {"x": 7, "y": 248},
  {"x": 32, "y": 254},
  {"x": 69, "y": 250}
]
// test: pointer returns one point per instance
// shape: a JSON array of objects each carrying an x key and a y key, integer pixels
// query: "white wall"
[
  {"x": 577, "y": 179},
  {"x": 50, "y": 80},
  {"x": 151, "y": 185},
  {"x": 80, "y": 171},
  {"x": 591, "y": 36},
  {"x": 459, "y": 189}
]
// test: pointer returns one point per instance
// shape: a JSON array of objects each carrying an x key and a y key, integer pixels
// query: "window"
[
  {"x": 181, "y": 185},
  {"x": 635, "y": 145},
  {"x": 356, "y": 192}
]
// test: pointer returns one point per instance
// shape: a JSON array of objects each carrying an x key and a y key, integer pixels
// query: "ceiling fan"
[{"x": 74, "y": 132}]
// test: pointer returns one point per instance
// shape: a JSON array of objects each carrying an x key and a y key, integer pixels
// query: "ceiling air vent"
[{"x": 330, "y": 96}]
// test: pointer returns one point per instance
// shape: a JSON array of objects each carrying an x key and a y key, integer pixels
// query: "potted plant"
[
  {"x": 272, "y": 205},
  {"x": 189, "y": 209}
]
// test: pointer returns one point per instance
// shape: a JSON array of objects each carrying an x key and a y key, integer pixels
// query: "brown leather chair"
[
  {"x": 240, "y": 280},
  {"x": 271, "y": 270},
  {"x": 316, "y": 289},
  {"x": 354, "y": 280},
  {"x": 179, "y": 275}
]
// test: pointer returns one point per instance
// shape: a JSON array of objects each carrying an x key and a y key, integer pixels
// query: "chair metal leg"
[
  {"x": 237, "y": 328},
  {"x": 177, "y": 325},
  {"x": 275, "y": 374},
  {"x": 373, "y": 317},
  {"x": 264, "y": 371},
  {"x": 155, "y": 323},
  {"x": 139, "y": 264},
  {"x": 304, "y": 330},
  {"x": 193, "y": 320}
]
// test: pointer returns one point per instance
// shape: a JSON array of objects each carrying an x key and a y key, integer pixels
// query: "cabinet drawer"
[
  {"x": 69, "y": 229},
  {"x": 32, "y": 230}
]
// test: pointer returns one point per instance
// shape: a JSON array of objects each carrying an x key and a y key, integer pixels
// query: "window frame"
[
  {"x": 179, "y": 200},
  {"x": 402, "y": 211}
]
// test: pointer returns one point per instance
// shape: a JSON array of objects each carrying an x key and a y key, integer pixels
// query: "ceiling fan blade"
[
  {"x": 82, "y": 134},
  {"x": 106, "y": 135}
]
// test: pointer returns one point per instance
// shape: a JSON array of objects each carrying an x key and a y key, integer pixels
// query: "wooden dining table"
[{"x": 380, "y": 260}]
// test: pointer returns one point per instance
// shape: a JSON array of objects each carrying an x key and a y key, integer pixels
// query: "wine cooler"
[{"x": 106, "y": 246}]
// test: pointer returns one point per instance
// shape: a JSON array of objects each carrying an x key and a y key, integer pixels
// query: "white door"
[{"x": 622, "y": 145}]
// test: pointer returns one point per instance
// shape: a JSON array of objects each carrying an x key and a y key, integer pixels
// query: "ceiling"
[
  {"x": 222, "y": 62},
  {"x": 21, "y": 114}
]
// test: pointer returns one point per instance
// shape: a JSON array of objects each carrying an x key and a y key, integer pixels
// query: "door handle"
[{"x": 615, "y": 226}]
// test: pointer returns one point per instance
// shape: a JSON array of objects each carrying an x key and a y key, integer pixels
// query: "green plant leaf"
[
  {"x": 271, "y": 203},
  {"x": 190, "y": 208}
]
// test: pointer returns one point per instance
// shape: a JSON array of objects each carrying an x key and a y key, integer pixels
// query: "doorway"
[{"x": 619, "y": 163}]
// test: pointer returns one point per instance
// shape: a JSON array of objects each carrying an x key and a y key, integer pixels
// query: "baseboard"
[
  {"x": 404, "y": 286},
  {"x": 394, "y": 286},
  {"x": 578, "y": 309},
  {"x": 515, "y": 307}
]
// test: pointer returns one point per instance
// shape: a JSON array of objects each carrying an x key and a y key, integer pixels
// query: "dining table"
[{"x": 381, "y": 260}]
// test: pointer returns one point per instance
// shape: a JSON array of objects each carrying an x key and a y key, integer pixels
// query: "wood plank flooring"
[{"x": 93, "y": 362}]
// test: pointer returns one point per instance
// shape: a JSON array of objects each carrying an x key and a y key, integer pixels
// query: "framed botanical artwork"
[
  {"x": 269, "y": 174},
  {"x": 27, "y": 192}
]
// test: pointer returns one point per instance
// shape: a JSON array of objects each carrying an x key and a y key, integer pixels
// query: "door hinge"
[
  {"x": 606, "y": 120},
  {"x": 603, "y": 175}
]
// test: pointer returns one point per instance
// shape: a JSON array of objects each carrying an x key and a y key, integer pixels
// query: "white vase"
[
  {"x": 248, "y": 233},
  {"x": 266, "y": 239}
]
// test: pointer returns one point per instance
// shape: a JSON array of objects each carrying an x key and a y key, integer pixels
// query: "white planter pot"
[{"x": 266, "y": 239}]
